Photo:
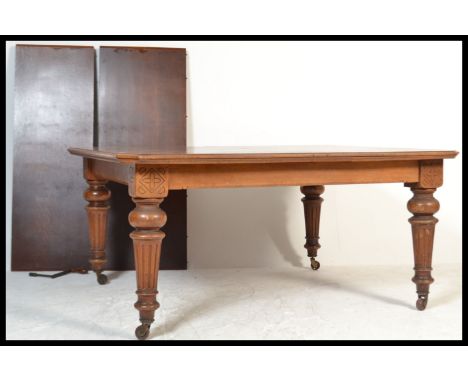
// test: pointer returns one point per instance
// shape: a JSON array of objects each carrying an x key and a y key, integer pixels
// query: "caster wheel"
[
  {"x": 421, "y": 303},
  {"x": 102, "y": 279},
  {"x": 142, "y": 332},
  {"x": 314, "y": 265}
]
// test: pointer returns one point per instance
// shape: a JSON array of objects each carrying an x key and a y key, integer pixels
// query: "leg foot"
[
  {"x": 102, "y": 278},
  {"x": 423, "y": 205},
  {"x": 142, "y": 332},
  {"x": 421, "y": 303},
  {"x": 314, "y": 264},
  {"x": 312, "y": 203}
]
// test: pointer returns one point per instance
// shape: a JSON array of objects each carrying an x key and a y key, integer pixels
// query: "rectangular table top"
[{"x": 259, "y": 154}]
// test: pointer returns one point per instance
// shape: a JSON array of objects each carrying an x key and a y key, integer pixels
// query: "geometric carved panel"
[
  {"x": 431, "y": 173},
  {"x": 152, "y": 181},
  {"x": 147, "y": 181}
]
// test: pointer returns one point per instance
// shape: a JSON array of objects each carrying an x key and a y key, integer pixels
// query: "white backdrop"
[{"x": 385, "y": 94}]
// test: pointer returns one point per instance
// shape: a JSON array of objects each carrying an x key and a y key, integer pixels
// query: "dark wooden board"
[
  {"x": 56, "y": 108},
  {"x": 142, "y": 97},
  {"x": 54, "y": 95},
  {"x": 142, "y": 104}
]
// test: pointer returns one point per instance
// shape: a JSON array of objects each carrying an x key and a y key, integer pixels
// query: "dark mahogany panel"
[
  {"x": 142, "y": 105},
  {"x": 142, "y": 97},
  {"x": 54, "y": 95}
]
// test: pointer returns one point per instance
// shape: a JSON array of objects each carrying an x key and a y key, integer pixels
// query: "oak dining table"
[{"x": 151, "y": 174}]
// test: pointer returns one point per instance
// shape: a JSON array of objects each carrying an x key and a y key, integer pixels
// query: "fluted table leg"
[
  {"x": 147, "y": 219},
  {"x": 98, "y": 197},
  {"x": 423, "y": 205},
  {"x": 312, "y": 204}
]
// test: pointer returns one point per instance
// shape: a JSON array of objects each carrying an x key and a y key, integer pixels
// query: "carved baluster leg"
[
  {"x": 423, "y": 205},
  {"x": 147, "y": 219},
  {"x": 98, "y": 197},
  {"x": 312, "y": 203}
]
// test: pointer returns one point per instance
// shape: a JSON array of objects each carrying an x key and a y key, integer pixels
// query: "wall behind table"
[{"x": 400, "y": 94}]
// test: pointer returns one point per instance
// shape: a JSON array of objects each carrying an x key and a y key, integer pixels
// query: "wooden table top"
[{"x": 259, "y": 154}]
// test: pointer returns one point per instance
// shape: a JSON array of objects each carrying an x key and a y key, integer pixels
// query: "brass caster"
[
  {"x": 314, "y": 264},
  {"x": 421, "y": 303},
  {"x": 102, "y": 279},
  {"x": 142, "y": 332}
]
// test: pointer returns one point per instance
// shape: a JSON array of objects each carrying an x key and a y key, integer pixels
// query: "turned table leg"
[
  {"x": 312, "y": 203},
  {"x": 98, "y": 197},
  {"x": 423, "y": 205},
  {"x": 147, "y": 219}
]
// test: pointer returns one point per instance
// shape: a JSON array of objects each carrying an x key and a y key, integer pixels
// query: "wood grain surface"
[
  {"x": 142, "y": 105},
  {"x": 142, "y": 98},
  {"x": 54, "y": 93}
]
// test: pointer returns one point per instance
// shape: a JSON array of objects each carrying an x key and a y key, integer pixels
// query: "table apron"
[
  {"x": 291, "y": 174},
  {"x": 95, "y": 169},
  {"x": 155, "y": 180}
]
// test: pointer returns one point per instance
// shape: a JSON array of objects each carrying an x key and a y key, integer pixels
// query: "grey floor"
[{"x": 292, "y": 303}]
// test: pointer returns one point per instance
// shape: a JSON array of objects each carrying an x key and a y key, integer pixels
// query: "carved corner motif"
[
  {"x": 151, "y": 181},
  {"x": 146, "y": 181},
  {"x": 431, "y": 173}
]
